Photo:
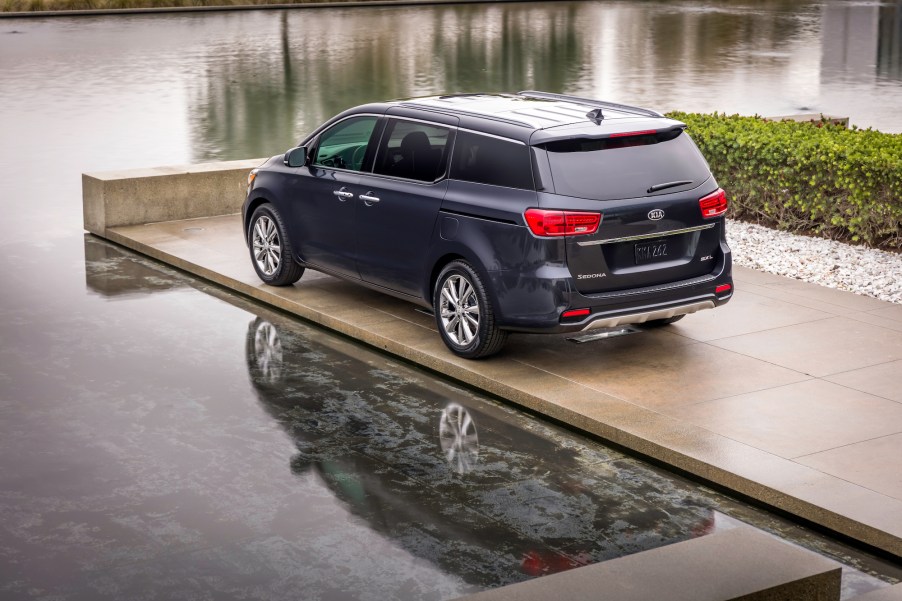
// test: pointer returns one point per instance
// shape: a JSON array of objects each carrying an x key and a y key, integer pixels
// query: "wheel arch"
[
  {"x": 437, "y": 267},
  {"x": 251, "y": 207}
]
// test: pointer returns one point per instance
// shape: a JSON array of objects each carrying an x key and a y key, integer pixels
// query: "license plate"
[{"x": 651, "y": 252}]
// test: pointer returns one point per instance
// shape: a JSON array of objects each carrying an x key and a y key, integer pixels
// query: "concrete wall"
[{"x": 138, "y": 196}]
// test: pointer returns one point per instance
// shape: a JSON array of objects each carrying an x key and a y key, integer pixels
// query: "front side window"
[
  {"x": 413, "y": 150},
  {"x": 486, "y": 160},
  {"x": 343, "y": 146}
]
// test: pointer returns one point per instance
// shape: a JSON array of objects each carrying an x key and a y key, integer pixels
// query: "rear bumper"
[
  {"x": 616, "y": 308},
  {"x": 633, "y": 313},
  {"x": 644, "y": 316}
]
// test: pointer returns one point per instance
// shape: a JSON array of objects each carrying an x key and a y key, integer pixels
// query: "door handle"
[
  {"x": 343, "y": 194},
  {"x": 368, "y": 199}
]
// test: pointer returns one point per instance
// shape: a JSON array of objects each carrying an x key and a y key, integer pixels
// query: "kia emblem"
[{"x": 656, "y": 214}]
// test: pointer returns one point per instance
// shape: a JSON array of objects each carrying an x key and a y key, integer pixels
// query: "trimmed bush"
[{"x": 809, "y": 178}]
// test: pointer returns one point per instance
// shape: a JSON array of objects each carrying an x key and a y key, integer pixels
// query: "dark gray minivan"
[{"x": 529, "y": 212}]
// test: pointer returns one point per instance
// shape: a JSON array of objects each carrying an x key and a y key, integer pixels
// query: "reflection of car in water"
[
  {"x": 463, "y": 483},
  {"x": 458, "y": 437}
]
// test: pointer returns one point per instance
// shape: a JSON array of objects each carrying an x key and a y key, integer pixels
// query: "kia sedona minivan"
[{"x": 528, "y": 212}]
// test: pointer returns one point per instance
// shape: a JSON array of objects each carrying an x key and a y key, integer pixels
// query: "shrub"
[{"x": 803, "y": 177}]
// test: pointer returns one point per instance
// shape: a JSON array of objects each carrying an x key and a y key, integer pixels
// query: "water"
[
  {"x": 186, "y": 443},
  {"x": 152, "y": 440},
  {"x": 103, "y": 93}
]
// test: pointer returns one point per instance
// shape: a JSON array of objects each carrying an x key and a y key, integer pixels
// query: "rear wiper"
[{"x": 666, "y": 185}]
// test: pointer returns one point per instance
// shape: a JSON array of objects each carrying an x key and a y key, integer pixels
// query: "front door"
[{"x": 324, "y": 209}]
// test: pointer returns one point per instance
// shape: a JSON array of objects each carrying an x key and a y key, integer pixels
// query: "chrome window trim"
[
  {"x": 482, "y": 133},
  {"x": 423, "y": 121}
]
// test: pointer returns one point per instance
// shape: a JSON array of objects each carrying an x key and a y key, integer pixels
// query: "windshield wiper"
[{"x": 664, "y": 186}]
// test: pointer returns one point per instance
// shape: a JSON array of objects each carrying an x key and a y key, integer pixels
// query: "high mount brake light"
[
  {"x": 714, "y": 204},
  {"x": 547, "y": 223},
  {"x": 626, "y": 134}
]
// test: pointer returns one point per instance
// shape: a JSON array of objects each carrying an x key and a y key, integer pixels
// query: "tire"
[
  {"x": 657, "y": 323},
  {"x": 464, "y": 314},
  {"x": 270, "y": 248}
]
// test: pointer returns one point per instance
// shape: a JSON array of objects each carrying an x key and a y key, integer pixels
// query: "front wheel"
[
  {"x": 464, "y": 314},
  {"x": 270, "y": 248}
]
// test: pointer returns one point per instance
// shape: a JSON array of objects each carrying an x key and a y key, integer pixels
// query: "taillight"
[
  {"x": 561, "y": 223},
  {"x": 575, "y": 313},
  {"x": 723, "y": 289},
  {"x": 714, "y": 204}
]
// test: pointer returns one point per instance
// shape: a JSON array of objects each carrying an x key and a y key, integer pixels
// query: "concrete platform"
[
  {"x": 737, "y": 564},
  {"x": 791, "y": 394}
]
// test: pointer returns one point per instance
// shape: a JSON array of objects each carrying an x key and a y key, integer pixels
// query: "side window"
[
  {"x": 486, "y": 160},
  {"x": 343, "y": 146},
  {"x": 413, "y": 150}
]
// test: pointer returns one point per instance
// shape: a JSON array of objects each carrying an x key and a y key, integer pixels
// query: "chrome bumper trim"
[
  {"x": 620, "y": 320},
  {"x": 686, "y": 230}
]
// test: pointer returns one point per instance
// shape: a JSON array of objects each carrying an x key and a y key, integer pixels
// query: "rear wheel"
[
  {"x": 464, "y": 313},
  {"x": 270, "y": 248}
]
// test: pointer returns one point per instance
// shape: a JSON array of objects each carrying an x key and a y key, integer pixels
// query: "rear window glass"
[
  {"x": 486, "y": 160},
  {"x": 614, "y": 168}
]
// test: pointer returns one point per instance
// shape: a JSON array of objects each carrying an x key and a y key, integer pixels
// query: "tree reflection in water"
[{"x": 290, "y": 71}]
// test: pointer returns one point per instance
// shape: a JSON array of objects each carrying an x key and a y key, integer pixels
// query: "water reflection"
[
  {"x": 326, "y": 61},
  {"x": 861, "y": 40},
  {"x": 458, "y": 438},
  {"x": 405, "y": 457},
  {"x": 325, "y": 466},
  {"x": 534, "y": 503},
  {"x": 114, "y": 275},
  {"x": 773, "y": 57},
  {"x": 889, "y": 41}
]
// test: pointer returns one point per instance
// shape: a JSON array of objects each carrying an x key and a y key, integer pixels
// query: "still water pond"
[{"x": 162, "y": 438}]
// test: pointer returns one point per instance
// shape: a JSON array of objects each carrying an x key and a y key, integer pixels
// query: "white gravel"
[{"x": 829, "y": 263}]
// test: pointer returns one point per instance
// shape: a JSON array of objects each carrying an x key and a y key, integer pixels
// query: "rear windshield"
[{"x": 625, "y": 167}]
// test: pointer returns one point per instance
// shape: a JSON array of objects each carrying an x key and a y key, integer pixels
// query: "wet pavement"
[{"x": 259, "y": 457}]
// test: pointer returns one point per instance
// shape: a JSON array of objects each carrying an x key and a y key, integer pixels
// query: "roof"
[{"x": 536, "y": 110}]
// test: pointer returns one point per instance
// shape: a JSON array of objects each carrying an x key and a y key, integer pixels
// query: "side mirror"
[{"x": 296, "y": 157}]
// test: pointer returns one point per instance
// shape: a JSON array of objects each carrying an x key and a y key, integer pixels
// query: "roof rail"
[
  {"x": 590, "y": 102},
  {"x": 457, "y": 111}
]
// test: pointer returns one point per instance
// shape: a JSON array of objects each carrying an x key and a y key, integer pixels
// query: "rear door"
[
  {"x": 398, "y": 204},
  {"x": 648, "y": 187}
]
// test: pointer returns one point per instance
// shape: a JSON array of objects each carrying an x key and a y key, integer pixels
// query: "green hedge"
[{"x": 803, "y": 177}]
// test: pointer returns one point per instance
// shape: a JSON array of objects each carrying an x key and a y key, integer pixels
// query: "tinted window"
[
  {"x": 627, "y": 167},
  {"x": 487, "y": 160},
  {"x": 344, "y": 144},
  {"x": 413, "y": 150}
]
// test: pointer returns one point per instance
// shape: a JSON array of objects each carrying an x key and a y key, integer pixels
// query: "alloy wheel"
[
  {"x": 267, "y": 246},
  {"x": 459, "y": 310}
]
